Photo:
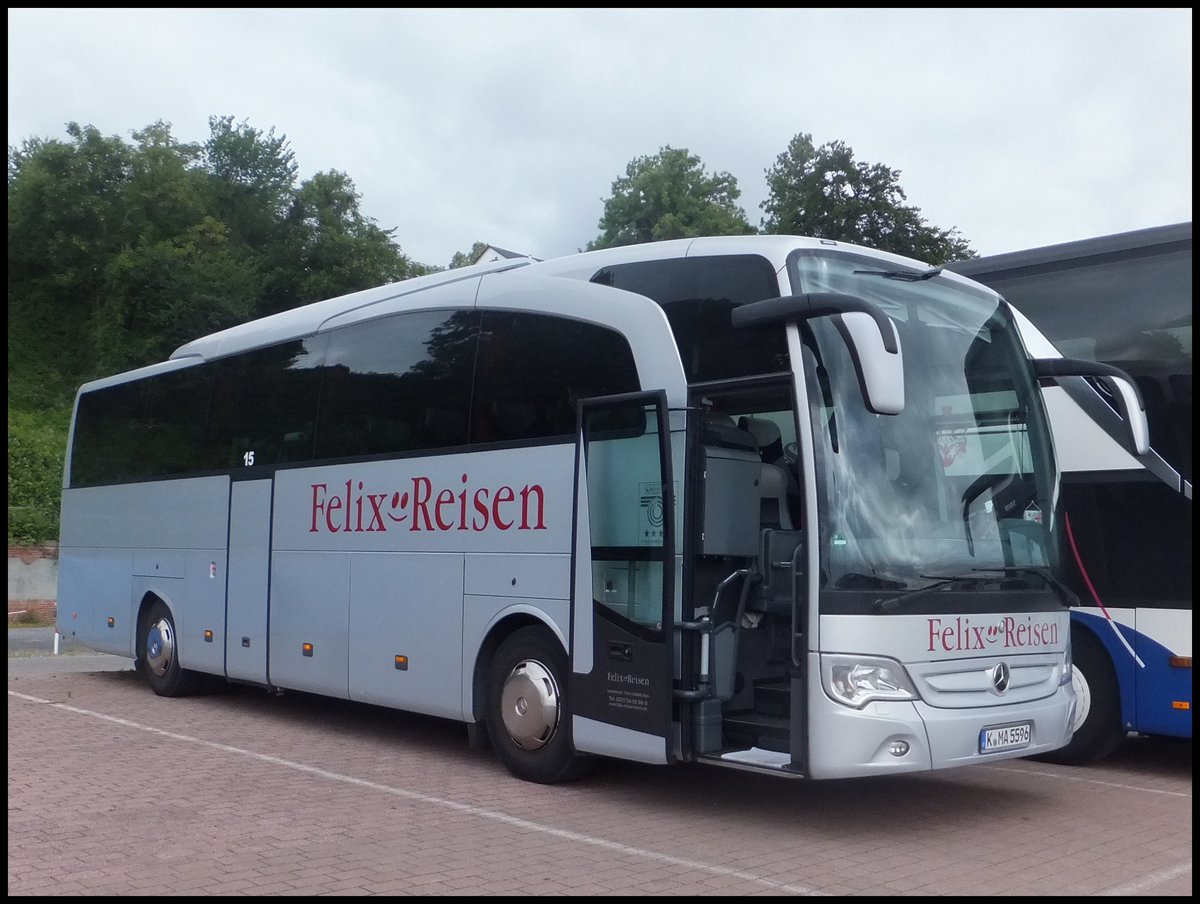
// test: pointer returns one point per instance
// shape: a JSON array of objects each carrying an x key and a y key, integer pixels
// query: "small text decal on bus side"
[
  {"x": 421, "y": 506},
  {"x": 1011, "y": 633}
]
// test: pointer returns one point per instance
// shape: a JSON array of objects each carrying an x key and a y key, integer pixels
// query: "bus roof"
[
  {"x": 774, "y": 248},
  {"x": 310, "y": 318},
  {"x": 1153, "y": 240}
]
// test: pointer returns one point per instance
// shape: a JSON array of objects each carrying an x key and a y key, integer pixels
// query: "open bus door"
[{"x": 624, "y": 569}]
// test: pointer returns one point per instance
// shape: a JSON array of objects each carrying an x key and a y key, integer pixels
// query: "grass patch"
[{"x": 31, "y": 618}]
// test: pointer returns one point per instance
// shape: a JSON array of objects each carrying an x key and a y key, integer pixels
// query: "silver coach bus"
[{"x": 769, "y": 503}]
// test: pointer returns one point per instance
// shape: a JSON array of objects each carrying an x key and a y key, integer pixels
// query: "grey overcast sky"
[{"x": 1018, "y": 127}]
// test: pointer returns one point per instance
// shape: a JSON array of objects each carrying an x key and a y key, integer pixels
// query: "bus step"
[
  {"x": 767, "y": 732},
  {"x": 773, "y": 698}
]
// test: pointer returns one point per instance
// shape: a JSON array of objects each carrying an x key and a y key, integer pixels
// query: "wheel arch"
[
  {"x": 1098, "y": 729},
  {"x": 1097, "y": 629},
  {"x": 149, "y": 598},
  {"x": 503, "y": 628}
]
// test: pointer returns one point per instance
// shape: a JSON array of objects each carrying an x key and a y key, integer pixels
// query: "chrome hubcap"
[
  {"x": 160, "y": 646},
  {"x": 530, "y": 704},
  {"x": 1083, "y": 697}
]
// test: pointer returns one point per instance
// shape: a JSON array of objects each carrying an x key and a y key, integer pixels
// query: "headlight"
[
  {"x": 1064, "y": 677},
  {"x": 857, "y": 680}
]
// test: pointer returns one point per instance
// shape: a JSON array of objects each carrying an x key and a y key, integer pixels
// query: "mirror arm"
[
  {"x": 1050, "y": 368},
  {"x": 814, "y": 304}
]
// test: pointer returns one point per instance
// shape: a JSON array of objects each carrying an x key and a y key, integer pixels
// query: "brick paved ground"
[{"x": 113, "y": 791}]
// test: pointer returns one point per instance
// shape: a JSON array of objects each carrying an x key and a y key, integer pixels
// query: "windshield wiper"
[
  {"x": 906, "y": 275},
  {"x": 1065, "y": 593},
  {"x": 892, "y": 603}
]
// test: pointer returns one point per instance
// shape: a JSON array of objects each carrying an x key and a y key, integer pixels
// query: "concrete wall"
[{"x": 32, "y": 578}]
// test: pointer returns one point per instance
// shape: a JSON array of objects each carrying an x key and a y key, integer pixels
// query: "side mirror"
[
  {"x": 1130, "y": 405},
  {"x": 869, "y": 334}
]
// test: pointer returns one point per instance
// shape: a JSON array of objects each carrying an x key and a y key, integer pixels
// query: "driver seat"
[
  {"x": 773, "y": 496},
  {"x": 775, "y": 483}
]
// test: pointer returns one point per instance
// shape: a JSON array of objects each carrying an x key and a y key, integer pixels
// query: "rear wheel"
[
  {"x": 528, "y": 713},
  {"x": 158, "y": 654},
  {"x": 1098, "y": 730}
]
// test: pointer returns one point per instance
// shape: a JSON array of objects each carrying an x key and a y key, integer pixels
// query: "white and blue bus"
[
  {"x": 1123, "y": 300},
  {"x": 769, "y": 503}
]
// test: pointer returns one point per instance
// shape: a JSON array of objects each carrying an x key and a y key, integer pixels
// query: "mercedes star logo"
[{"x": 1000, "y": 677}]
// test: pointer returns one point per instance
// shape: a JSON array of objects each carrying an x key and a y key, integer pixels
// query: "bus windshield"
[{"x": 962, "y": 483}]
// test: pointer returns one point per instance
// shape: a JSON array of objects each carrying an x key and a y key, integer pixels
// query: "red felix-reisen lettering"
[
  {"x": 419, "y": 507},
  {"x": 1010, "y": 633}
]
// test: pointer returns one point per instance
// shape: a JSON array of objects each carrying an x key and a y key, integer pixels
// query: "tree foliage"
[
  {"x": 824, "y": 192},
  {"x": 333, "y": 246},
  {"x": 36, "y": 450},
  {"x": 467, "y": 258},
  {"x": 670, "y": 196},
  {"x": 119, "y": 251}
]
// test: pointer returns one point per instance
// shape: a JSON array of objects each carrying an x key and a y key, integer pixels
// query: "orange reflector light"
[
  {"x": 402, "y": 663},
  {"x": 1180, "y": 662},
  {"x": 208, "y": 635},
  {"x": 111, "y": 621},
  {"x": 1180, "y": 704},
  {"x": 307, "y": 649}
]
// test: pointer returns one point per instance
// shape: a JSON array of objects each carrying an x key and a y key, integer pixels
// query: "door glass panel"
[{"x": 627, "y": 512}]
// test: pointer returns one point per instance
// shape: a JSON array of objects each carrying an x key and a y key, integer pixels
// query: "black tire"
[
  {"x": 528, "y": 712},
  {"x": 1098, "y": 730},
  {"x": 158, "y": 654}
]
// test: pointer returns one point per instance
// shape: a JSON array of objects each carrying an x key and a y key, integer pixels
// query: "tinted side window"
[
  {"x": 1132, "y": 311},
  {"x": 534, "y": 367},
  {"x": 264, "y": 405},
  {"x": 1132, "y": 536},
  {"x": 140, "y": 430},
  {"x": 697, "y": 294},
  {"x": 397, "y": 384}
]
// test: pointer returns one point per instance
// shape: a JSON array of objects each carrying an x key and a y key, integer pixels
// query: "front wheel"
[
  {"x": 528, "y": 714},
  {"x": 1098, "y": 730},
  {"x": 158, "y": 654}
]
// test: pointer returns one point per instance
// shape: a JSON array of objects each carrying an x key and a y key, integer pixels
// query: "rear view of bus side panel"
[{"x": 121, "y": 544}]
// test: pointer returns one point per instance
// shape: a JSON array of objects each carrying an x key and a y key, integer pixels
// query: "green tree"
[
  {"x": 333, "y": 248},
  {"x": 120, "y": 251},
  {"x": 68, "y": 216},
  {"x": 253, "y": 178},
  {"x": 670, "y": 196},
  {"x": 824, "y": 192},
  {"x": 467, "y": 258},
  {"x": 164, "y": 293},
  {"x": 36, "y": 453}
]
